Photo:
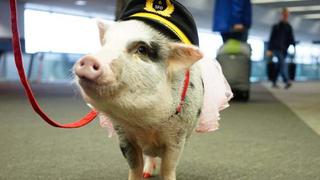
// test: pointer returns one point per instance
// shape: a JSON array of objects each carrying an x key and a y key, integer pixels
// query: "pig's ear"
[
  {"x": 182, "y": 56},
  {"x": 102, "y": 26}
]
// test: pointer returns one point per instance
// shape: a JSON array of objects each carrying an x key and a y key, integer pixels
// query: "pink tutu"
[
  {"x": 217, "y": 93},
  {"x": 106, "y": 123}
]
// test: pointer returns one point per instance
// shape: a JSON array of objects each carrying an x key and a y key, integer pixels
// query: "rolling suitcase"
[
  {"x": 292, "y": 66},
  {"x": 271, "y": 69},
  {"x": 292, "y": 70},
  {"x": 234, "y": 58}
]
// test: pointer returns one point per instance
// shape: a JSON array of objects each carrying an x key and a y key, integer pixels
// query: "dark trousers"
[
  {"x": 281, "y": 67},
  {"x": 241, "y": 36}
]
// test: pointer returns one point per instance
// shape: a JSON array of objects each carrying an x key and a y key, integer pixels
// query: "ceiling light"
[
  {"x": 312, "y": 16},
  {"x": 80, "y": 3},
  {"x": 272, "y": 1},
  {"x": 304, "y": 8}
]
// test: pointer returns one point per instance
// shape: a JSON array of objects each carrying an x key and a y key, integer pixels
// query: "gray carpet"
[{"x": 259, "y": 140}]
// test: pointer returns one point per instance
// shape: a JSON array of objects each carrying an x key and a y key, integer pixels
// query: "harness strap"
[
  {"x": 184, "y": 90},
  {"x": 18, "y": 61}
]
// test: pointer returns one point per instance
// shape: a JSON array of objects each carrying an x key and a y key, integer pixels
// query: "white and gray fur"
[{"x": 141, "y": 91}]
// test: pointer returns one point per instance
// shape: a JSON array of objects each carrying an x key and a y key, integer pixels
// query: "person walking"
[
  {"x": 281, "y": 38},
  {"x": 232, "y": 18}
]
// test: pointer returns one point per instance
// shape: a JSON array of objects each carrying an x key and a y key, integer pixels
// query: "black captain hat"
[{"x": 167, "y": 16}]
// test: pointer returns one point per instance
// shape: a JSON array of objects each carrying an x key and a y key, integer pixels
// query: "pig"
[{"x": 135, "y": 81}]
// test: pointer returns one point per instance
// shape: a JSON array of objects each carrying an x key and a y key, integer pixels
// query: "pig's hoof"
[
  {"x": 149, "y": 166},
  {"x": 146, "y": 175}
]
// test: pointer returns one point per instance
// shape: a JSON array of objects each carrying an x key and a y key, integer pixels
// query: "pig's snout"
[{"x": 88, "y": 68}]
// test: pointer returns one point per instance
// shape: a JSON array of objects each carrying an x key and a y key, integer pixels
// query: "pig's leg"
[
  {"x": 133, "y": 154},
  {"x": 170, "y": 160},
  {"x": 149, "y": 166}
]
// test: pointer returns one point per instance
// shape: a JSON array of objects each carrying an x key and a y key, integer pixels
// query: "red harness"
[{"x": 19, "y": 65}]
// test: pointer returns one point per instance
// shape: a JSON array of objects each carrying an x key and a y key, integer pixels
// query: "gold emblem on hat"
[{"x": 161, "y": 7}]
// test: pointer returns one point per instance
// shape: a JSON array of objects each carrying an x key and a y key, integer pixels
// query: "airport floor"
[{"x": 272, "y": 137}]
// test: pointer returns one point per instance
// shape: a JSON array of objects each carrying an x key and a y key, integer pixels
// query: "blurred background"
[{"x": 45, "y": 24}]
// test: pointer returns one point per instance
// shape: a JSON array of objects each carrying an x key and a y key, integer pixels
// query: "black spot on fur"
[
  {"x": 117, "y": 128},
  {"x": 130, "y": 153},
  {"x": 147, "y": 51},
  {"x": 153, "y": 52},
  {"x": 199, "y": 112},
  {"x": 124, "y": 150},
  {"x": 202, "y": 86},
  {"x": 191, "y": 85}
]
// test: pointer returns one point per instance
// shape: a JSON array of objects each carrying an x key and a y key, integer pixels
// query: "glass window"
[
  {"x": 36, "y": 31},
  {"x": 257, "y": 47},
  {"x": 53, "y": 32},
  {"x": 209, "y": 43},
  {"x": 307, "y": 53}
]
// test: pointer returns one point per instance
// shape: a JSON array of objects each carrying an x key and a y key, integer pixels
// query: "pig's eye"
[{"x": 142, "y": 50}]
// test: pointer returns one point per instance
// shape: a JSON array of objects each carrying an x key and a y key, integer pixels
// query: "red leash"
[{"x": 18, "y": 60}]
